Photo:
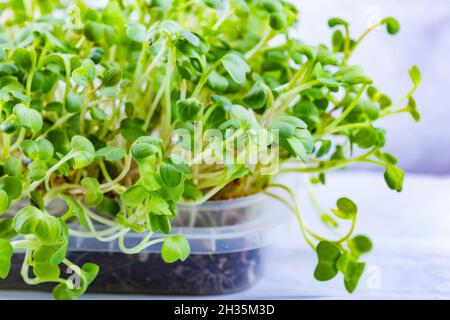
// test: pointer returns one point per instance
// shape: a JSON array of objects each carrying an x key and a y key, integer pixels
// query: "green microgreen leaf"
[
  {"x": 28, "y": 118},
  {"x": 360, "y": 245},
  {"x": 46, "y": 271},
  {"x": 392, "y": 25},
  {"x": 137, "y": 32},
  {"x": 111, "y": 154},
  {"x": 191, "y": 191},
  {"x": 12, "y": 167},
  {"x": 134, "y": 196},
  {"x": 338, "y": 41},
  {"x": 76, "y": 210},
  {"x": 346, "y": 209},
  {"x": 414, "y": 74},
  {"x": 271, "y": 6},
  {"x": 170, "y": 175},
  {"x": 236, "y": 67},
  {"x": 112, "y": 77},
  {"x": 24, "y": 59},
  {"x": 328, "y": 255},
  {"x": 333, "y": 22},
  {"x": 31, "y": 220},
  {"x": 83, "y": 151},
  {"x": 159, "y": 206},
  {"x": 325, "y": 147},
  {"x": 294, "y": 137},
  {"x": 256, "y": 98},
  {"x": 93, "y": 193},
  {"x": 365, "y": 138},
  {"x": 6, "y": 252},
  {"x": 4, "y": 202},
  {"x": 143, "y": 150},
  {"x": 131, "y": 129},
  {"x": 12, "y": 186},
  {"x": 245, "y": 118},
  {"x": 89, "y": 272},
  {"x": 326, "y": 57},
  {"x": 278, "y": 21},
  {"x": 40, "y": 149},
  {"x": 7, "y": 229},
  {"x": 37, "y": 170},
  {"x": 412, "y": 109},
  {"x": 189, "y": 109},
  {"x": 353, "y": 78},
  {"x": 352, "y": 274},
  {"x": 74, "y": 102},
  {"x": 160, "y": 223},
  {"x": 85, "y": 73}
]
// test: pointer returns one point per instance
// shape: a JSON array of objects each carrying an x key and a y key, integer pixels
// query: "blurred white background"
[{"x": 424, "y": 40}]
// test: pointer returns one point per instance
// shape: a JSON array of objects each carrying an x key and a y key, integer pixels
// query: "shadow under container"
[{"x": 229, "y": 243}]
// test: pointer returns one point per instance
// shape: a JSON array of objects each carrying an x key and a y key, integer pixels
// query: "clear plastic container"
[{"x": 229, "y": 241}]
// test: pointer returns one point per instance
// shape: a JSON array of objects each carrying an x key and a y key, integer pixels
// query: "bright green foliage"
[
  {"x": 414, "y": 74},
  {"x": 110, "y": 110}
]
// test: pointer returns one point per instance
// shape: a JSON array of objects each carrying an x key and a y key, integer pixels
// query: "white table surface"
[{"x": 410, "y": 259}]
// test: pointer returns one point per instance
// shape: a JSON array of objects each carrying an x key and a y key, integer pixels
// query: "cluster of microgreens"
[{"x": 90, "y": 100}]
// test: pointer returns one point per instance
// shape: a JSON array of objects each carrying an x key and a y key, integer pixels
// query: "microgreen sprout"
[{"x": 115, "y": 112}]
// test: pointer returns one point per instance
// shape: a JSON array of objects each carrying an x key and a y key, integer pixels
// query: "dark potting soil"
[{"x": 147, "y": 273}]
